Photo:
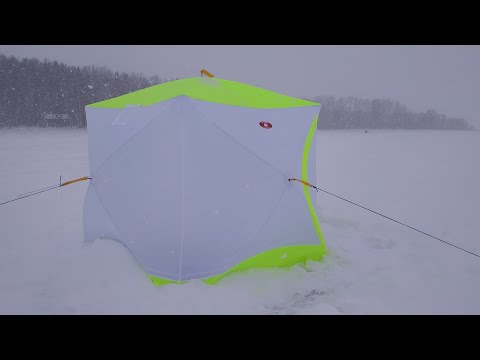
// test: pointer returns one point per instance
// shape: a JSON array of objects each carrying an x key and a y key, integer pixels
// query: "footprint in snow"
[{"x": 297, "y": 302}]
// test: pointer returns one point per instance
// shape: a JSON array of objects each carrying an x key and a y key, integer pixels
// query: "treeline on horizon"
[
  {"x": 354, "y": 113},
  {"x": 47, "y": 93}
]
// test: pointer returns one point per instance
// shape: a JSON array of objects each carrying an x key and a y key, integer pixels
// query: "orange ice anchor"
[{"x": 304, "y": 183}]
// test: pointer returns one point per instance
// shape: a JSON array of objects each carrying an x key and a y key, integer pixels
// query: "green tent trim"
[{"x": 207, "y": 89}]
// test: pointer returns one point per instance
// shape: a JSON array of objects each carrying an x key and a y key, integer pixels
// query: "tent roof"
[{"x": 207, "y": 89}]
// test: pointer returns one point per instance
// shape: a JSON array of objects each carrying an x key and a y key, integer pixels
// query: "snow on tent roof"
[{"x": 195, "y": 181}]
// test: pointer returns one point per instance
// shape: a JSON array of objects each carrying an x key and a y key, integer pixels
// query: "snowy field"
[{"x": 427, "y": 179}]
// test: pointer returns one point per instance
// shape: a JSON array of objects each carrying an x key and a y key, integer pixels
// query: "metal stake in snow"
[{"x": 48, "y": 188}]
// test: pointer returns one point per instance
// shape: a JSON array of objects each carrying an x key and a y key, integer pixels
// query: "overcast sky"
[{"x": 445, "y": 78}]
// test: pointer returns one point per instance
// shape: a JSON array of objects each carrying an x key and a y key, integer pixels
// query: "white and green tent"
[{"x": 192, "y": 176}]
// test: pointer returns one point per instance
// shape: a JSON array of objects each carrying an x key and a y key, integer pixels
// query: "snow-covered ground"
[{"x": 428, "y": 179}]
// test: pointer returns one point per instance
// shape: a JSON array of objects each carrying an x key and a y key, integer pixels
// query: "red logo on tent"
[{"x": 265, "y": 124}]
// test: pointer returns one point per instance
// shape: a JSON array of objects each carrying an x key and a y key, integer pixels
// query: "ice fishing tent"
[{"x": 192, "y": 177}]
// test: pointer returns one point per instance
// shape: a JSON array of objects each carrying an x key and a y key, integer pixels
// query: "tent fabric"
[
  {"x": 207, "y": 89},
  {"x": 186, "y": 177}
]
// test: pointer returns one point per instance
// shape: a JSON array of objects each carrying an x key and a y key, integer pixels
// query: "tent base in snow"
[{"x": 192, "y": 176}]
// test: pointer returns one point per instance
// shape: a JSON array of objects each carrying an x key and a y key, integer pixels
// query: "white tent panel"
[
  {"x": 229, "y": 192},
  {"x": 139, "y": 186}
]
